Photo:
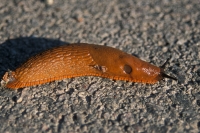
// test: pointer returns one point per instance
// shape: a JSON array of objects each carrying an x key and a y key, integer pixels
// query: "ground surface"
[{"x": 152, "y": 30}]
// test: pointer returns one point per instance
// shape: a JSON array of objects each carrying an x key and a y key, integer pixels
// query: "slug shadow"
[{"x": 14, "y": 52}]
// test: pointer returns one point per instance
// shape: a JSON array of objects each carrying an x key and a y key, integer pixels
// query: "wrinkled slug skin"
[{"x": 75, "y": 60}]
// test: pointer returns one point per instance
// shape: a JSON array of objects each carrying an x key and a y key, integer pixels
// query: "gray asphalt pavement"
[{"x": 153, "y": 30}]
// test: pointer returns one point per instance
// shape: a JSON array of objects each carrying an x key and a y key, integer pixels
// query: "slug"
[{"x": 75, "y": 60}]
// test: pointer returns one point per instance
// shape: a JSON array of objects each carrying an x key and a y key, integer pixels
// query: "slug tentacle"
[
  {"x": 83, "y": 59},
  {"x": 165, "y": 63},
  {"x": 163, "y": 74}
]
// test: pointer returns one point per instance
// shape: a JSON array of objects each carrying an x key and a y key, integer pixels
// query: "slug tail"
[
  {"x": 12, "y": 85},
  {"x": 10, "y": 81}
]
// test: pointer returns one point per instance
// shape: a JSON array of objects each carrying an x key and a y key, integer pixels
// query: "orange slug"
[{"x": 75, "y": 60}]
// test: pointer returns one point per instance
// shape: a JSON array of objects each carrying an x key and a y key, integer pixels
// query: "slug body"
[{"x": 75, "y": 60}]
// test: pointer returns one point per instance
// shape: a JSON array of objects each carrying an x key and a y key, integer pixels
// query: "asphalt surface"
[{"x": 153, "y": 30}]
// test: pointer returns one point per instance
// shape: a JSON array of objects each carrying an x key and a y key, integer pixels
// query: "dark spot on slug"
[
  {"x": 95, "y": 48},
  {"x": 121, "y": 56},
  {"x": 127, "y": 69}
]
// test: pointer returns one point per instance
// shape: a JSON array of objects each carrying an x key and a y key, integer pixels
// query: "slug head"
[
  {"x": 162, "y": 73},
  {"x": 141, "y": 71}
]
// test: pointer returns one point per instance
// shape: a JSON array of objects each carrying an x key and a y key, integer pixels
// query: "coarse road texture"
[{"x": 154, "y": 30}]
